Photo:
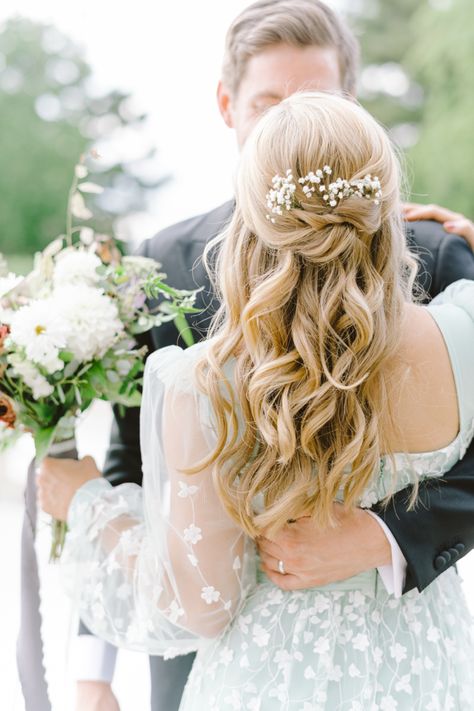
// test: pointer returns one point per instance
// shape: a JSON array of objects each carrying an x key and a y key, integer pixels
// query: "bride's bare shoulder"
[
  {"x": 421, "y": 384},
  {"x": 420, "y": 333}
]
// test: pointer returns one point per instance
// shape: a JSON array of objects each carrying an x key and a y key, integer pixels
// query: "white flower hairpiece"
[{"x": 282, "y": 193}]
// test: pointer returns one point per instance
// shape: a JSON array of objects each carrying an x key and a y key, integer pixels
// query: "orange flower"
[
  {"x": 107, "y": 251},
  {"x": 4, "y": 332},
  {"x": 7, "y": 411}
]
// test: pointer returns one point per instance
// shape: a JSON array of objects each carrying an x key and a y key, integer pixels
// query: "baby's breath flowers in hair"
[
  {"x": 281, "y": 194},
  {"x": 283, "y": 191}
]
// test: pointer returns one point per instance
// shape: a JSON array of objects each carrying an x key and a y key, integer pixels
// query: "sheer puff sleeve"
[
  {"x": 161, "y": 569},
  {"x": 460, "y": 293},
  {"x": 454, "y": 311}
]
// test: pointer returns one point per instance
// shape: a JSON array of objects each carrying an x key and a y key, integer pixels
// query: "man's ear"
[{"x": 224, "y": 102}]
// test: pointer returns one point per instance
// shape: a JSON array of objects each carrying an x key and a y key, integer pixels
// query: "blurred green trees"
[
  {"x": 50, "y": 113},
  {"x": 417, "y": 79},
  {"x": 442, "y": 60}
]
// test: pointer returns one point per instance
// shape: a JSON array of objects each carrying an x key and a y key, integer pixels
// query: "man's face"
[{"x": 273, "y": 75}]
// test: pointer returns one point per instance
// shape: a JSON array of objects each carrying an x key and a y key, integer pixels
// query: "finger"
[
  {"x": 43, "y": 501},
  {"x": 464, "y": 228},
  {"x": 285, "y": 582},
  {"x": 269, "y": 547},
  {"x": 408, "y": 206},
  {"x": 44, "y": 481},
  {"x": 270, "y": 562},
  {"x": 431, "y": 212}
]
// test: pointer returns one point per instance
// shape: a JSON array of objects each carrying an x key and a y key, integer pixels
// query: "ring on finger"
[{"x": 281, "y": 567}]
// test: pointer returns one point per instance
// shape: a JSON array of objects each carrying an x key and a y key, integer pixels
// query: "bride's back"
[{"x": 315, "y": 276}]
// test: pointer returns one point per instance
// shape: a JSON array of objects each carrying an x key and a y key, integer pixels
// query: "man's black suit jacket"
[{"x": 440, "y": 530}]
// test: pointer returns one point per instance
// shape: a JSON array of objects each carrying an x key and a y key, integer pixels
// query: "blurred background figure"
[{"x": 138, "y": 85}]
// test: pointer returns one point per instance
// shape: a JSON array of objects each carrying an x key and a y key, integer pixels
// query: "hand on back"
[{"x": 453, "y": 222}]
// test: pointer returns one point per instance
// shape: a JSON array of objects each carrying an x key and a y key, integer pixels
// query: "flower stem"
[
  {"x": 59, "y": 530},
  {"x": 69, "y": 229}
]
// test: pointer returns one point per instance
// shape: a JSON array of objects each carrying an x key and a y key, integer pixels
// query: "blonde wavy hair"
[{"x": 310, "y": 316}]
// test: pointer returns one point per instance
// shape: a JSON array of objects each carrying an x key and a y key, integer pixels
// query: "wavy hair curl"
[{"x": 310, "y": 316}]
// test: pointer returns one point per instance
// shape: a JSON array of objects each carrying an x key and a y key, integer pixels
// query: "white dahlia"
[
  {"x": 92, "y": 320},
  {"x": 76, "y": 267},
  {"x": 39, "y": 329}
]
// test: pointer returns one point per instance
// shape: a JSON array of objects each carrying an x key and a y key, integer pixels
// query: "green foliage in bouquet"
[{"x": 68, "y": 329}]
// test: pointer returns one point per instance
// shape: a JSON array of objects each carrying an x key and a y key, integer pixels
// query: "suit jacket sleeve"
[
  {"x": 123, "y": 462},
  {"x": 440, "y": 530}
]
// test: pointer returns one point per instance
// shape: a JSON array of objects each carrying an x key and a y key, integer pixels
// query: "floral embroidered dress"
[{"x": 166, "y": 571}]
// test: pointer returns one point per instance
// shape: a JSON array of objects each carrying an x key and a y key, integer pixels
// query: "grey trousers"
[
  {"x": 29, "y": 649},
  {"x": 168, "y": 679}
]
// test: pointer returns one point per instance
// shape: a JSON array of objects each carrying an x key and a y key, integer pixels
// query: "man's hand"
[
  {"x": 452, "y": 222},
  {"x": 314, "y": 557},
  {"x": 95, "y": 696},
  {"x": 59, "y": 479}
]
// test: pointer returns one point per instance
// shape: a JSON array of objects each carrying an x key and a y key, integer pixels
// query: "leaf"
[
  {"x": 132, "y": 400},
  {"x": 88, "y": 393},
  {"x": 44, "y": 412},
  {"x": 136, "y": 368},
  {"x": 61, "y": 395},
  {"x": 83, "y": 370},
  {"x": 71, "y": 368},
  {"x": 184, "y": 329},
  {"x": 81, "y": 171},
  {"x": 90, "y": 188},
  {"x": 53, "y": 247},
  {"x": 97, "y": 373},
  {"x": 43, "y": 439},
  {"x": 66, "y": 356},
  {"x": 78, "y": 207}
]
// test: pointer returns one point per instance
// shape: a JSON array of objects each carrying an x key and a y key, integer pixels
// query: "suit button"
[
  {"x": 441, "y": 561},
  {"x": 454, "y": 553},
  {"x": 460, "y": 547}
]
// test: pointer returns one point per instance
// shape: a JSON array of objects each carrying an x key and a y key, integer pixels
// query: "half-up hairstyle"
[{"x": 311, "y": 312}]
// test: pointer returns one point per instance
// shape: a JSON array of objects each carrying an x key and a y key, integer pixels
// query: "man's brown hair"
[{"x": 300, "y": 23}]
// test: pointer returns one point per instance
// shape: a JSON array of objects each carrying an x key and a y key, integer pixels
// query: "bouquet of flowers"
[{"x": 67, "y": 332}]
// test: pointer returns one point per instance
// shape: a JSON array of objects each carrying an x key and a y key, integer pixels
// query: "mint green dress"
[{"x": 179, "y": 575}]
